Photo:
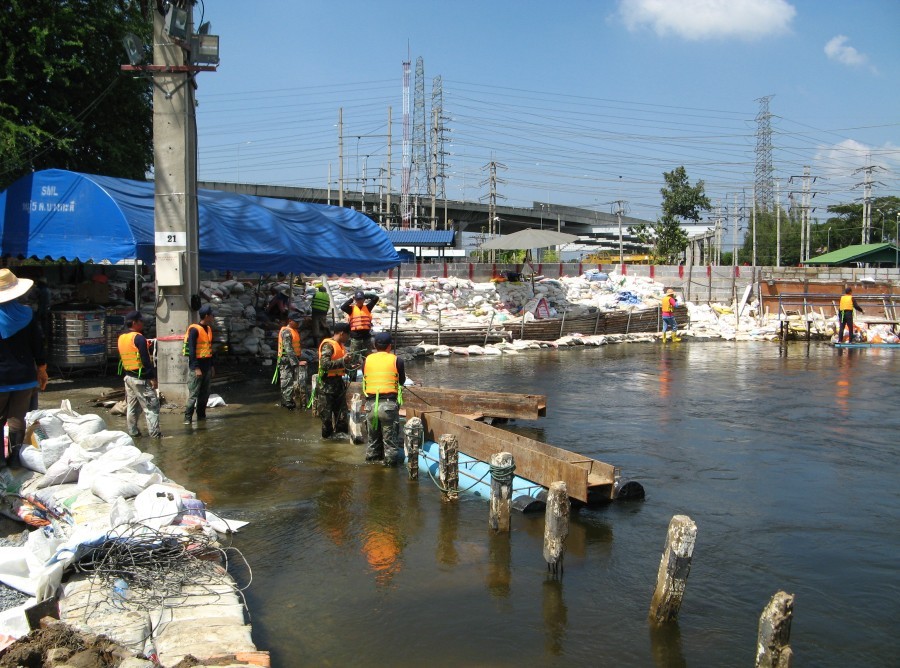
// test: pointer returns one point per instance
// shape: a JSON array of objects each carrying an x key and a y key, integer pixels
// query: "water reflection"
[
  {"x": 665, "y": 643},
  {"x": 556, "y": 616},
  {"x": 446, "y": 552},
  {"x": 499, "y": 573},
  {"x": 382, "y": 540}
]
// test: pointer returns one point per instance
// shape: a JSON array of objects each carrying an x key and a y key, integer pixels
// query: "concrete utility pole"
[
  {"x": 805, "y": 210},
  {"x": 388, "y": 174},
  {"x": 754, "y": 226},
  {"x": 620, "y": 210},
  {"x": 175, "y": 209},
  {"x": 734, "y": 231},
  {"x": 341, "y": 156},
  {"x": 778, "y": 224},
  {"x": 867, "y": 201},
  {"x": 492, "y": 196}
]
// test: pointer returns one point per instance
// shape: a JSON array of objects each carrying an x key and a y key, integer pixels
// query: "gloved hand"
[{"x": 42, "y": 377}]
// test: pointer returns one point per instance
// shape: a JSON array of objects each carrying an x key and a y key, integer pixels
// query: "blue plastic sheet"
[{"x": 57, "y": 214}]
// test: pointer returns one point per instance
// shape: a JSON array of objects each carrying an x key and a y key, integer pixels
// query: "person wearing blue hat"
[
  {"x": 383, "y": 378},
  {"x": 198, "y": 349},
  {"x": 359, "y": 315},
  {"x": 23, "y": 362},
  {"x": 136, "y": 364}
]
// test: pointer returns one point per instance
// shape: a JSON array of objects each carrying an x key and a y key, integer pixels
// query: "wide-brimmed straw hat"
[
  {"x": 670, "y": 291},
  {"x": 11, "y": 287}
]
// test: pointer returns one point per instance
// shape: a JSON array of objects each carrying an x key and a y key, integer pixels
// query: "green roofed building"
[{"x": 851, "y": 256}]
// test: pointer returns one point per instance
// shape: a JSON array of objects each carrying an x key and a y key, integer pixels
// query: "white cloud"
[
  {"x": 709, "y": 19},
  {"x": 840, "y": 161},
  {"x": 838, "y": 49}
]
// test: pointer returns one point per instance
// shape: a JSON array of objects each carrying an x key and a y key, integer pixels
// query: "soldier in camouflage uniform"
[
  {"x": 331, "y": 403},
  {"x": 384, "y": 375},
  {"x": 289, "y": 349}
]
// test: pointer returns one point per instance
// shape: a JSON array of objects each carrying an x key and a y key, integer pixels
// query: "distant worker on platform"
[
  {"x": 23, "y": 365},
  {"x": 198, "y": 348},
  {"x": 321, "y": 303},
  {"x": 383, "y": 378},
  {"x": 667, "y": 307},
  {"x": 289, "y": 350},
  {"x": 846, "y": 308},
  {"x": 359, "y": 310},
  {"x": 331, "y": 403},
  {"x": 140, "y": 377}
]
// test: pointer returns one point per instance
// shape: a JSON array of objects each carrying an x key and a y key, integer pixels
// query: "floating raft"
[
  {"x": 588, "y": 481},
  {"x": 475, "y": 478}
]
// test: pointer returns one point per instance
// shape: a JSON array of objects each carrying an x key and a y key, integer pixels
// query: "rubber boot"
[
  {"x": 665, "y": 336},
  {"x": 15, "y": 445},
  {"x": 675, "y": 336}
]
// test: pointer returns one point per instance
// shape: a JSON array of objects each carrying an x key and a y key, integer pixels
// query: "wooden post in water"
[
  {"x": 413, "y": 433},
  {"x": 772, "y": 641},
  {"x": 449, "y": 467},
  {"x": 556, "y": 527},
  {"x": 674, "y": 568},
  {"x": 502, "y": 470}
]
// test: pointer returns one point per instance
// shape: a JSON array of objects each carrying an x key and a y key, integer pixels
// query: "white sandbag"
[
  {"x": 96, "y": 444},
  {"x": 63, "y": 470},
  {"x": 124, "y": 483},
  {"x": 214, "y": 401},
  {"x": 50, "y": 421},
  {"x": 55, "y": 495},
  {"x": 80, "y": 426},
  {"x": 158, "y": 505},
  {"x": 112, "y": 460},
  {"x": 121, "y": 512},
  {"x": 38, "y": 459}
]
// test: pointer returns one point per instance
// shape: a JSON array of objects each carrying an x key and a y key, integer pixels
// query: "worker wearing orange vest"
[
  {"x": 289, "y": 362},
  {"x": 140, "y": 377},
  {"x": 383, "y": 378},
  {"x": 359, "y": 316},
  {"x": 199, "y": 351},
  {"x": 667, "y": 306},
  {"x": 331, "y": 390},
  {"x": 846, "y": 307}
]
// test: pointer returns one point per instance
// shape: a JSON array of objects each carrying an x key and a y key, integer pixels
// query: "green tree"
[
  {"x": 64, "y": 103},
  {"x": 680, "y": 201}
]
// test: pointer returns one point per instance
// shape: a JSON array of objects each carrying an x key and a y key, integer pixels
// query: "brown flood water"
[{"x": 785, "y": 457}]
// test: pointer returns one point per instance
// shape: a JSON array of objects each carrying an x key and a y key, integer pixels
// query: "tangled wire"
[{"x": 142, "y": 568}]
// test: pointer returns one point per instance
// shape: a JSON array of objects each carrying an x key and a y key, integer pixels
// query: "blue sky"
[{"x": 582, "y": 102}]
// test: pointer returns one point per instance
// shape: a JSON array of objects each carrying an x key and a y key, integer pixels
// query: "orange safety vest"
[
  {"x": 295, "y": 341},
  {"x": 204, "y": 341},
  {"x": 129, "y": 353},
  {"x": 381, "y": 376},
  {"x": 339, "y": 353},
  {"x": 360, "y": 318},
  {"x": 846, "y": 303},
  {"x": 668, "y": 305}
]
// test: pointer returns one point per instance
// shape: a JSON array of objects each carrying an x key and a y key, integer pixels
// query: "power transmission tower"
[
  {"x": 764, "y": 170},
  {"x": 420, "y": 135},
  {"x": 492, "y": 181},
  {"x": 438, "y": 141},
  {"x": 405, "y": 167}
]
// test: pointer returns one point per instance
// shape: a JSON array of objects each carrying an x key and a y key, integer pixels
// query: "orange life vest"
[
  {"x": 204, "y": 341},
  {"x": 381, "y": 375},
  {"x": 129, "y": 353},
  {"x": 338, "y": 354},
  {"x": 295, "y": 342},
  {"x": 360, "y": 318}
]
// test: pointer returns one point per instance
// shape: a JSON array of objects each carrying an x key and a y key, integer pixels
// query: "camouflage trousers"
[
  {"x": 139, "y": 396},
  {"x": 384, "y": 442},
  {"x": 292, "y": 382},
  {"x": 331, "y": 405}
]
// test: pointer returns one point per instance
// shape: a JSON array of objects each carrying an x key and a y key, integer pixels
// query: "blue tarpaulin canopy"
[{"x": 58, "y": 214}]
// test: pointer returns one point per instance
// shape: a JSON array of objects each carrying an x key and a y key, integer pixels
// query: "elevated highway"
[{"x": 461, "y": 216}]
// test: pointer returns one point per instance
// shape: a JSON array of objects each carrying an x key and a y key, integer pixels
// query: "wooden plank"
[
  {"x": 536, "y": 461},
  {"x": 470, "y": 402}
]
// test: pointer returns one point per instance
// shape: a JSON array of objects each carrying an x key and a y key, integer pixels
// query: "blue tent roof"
[
  {"x": 421, "y": 237},
  {"x": 59, "y": 214}
]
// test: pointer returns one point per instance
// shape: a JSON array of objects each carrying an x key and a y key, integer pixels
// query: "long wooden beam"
[
  {"x": 535, "y": 461},
  {"x": 472, "y": 403}
]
